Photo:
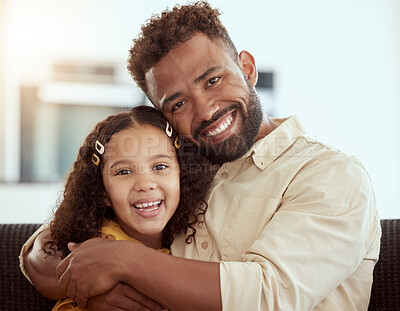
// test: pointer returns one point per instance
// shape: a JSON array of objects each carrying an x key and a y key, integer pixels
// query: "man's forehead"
[
  {"x": 151, "y": 84},
  {"x": 183, "y": 63}
]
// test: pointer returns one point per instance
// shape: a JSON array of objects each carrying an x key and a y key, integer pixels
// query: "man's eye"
[
  {"x": 213, "y": 81},
  {"x": 160, "y": 167},
  {"x": 178, "y": 105},
  {"x": 123, "y": 172}
]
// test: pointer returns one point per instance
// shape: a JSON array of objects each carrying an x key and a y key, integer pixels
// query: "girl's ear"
[{"x": 248, "y": 65}]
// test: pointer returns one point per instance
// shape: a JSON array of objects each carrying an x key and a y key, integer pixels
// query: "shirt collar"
[{"x": 267, "y": 149}]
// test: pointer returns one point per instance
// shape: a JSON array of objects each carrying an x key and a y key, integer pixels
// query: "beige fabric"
[{"x": 295, "y": 225}]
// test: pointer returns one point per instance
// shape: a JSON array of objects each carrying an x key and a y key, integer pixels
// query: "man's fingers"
[
  {"x": 73, "y": 246},
  {"x": 62, "y": 266},
  {"x": 82, "y": 302},
  {"x": 139, "y": 298},
  {"x": 115, "y": 300},
  {"x": 123, "y": 297}
]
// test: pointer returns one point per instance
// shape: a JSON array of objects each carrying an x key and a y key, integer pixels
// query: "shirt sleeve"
[
  {"x": 28, "y": 244},
  {"x": 317, "y": 238}
]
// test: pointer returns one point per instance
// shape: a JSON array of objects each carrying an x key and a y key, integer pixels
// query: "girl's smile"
[{"x": 149, "y": 209}]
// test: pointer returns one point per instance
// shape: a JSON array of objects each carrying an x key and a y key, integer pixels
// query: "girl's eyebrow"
[
  {"x": 159, "y": 156},
  {"x": 127, "y": 162},
  {"x": 119, "y": 163}
]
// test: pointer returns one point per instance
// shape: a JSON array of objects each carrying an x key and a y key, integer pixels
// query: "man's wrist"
[{"x": 126, "y": 261}]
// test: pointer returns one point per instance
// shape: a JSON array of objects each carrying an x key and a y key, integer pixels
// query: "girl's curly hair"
[
  {"x": 82, "y": 210},
  {"x": 163, "y": 33}
]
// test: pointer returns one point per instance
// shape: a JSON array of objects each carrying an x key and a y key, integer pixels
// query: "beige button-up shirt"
[{"x": 294, "y": 225}]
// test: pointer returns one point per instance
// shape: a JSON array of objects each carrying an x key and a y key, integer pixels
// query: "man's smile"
[{"x": 219, "y": 127}]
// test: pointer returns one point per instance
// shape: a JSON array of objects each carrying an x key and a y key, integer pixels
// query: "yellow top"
[{"x": 112, "y": 231}]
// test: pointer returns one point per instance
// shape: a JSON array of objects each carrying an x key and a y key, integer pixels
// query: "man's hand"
[
  {"x": 91, "y": 269},
  {"x": 123, "y": 297}
]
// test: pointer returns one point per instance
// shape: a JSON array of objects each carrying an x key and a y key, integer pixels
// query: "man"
[{"x": 291, "y": 223}]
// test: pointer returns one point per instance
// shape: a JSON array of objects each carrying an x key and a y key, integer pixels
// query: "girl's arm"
[{"x": 41, "y": 268}]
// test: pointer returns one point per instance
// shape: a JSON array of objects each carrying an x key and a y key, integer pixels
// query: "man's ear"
[{"x": 248, "y": 65}]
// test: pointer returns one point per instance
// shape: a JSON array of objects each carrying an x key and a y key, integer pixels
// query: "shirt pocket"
[{"x": 247, "y": 218}]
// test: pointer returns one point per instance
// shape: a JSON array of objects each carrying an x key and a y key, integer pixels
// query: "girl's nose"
[{"x": 144, "y": 183}]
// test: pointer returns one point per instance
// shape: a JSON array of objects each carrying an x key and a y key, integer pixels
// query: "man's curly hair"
[
  {"x": 165, "y": 32},
  {"x": 82, "y": 210}
]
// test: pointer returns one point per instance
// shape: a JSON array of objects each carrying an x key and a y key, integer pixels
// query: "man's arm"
[
  {"x": 177, "y": 283},
  {"x": 324, "y": 227},
  {"x": 41, "y": 268}
]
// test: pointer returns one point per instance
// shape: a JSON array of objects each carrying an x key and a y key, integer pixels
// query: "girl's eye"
[
  {"x": 213, "y": 81},
  {"x": 178, "y": 105},
  {"x": 124, "y": 172},
  {"x": 160, "y": 167}
]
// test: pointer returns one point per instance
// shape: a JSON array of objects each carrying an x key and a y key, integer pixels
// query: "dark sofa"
[{"x": 16, "y": 293}]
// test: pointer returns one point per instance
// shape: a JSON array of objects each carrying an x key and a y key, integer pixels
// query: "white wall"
[
  {"x": 2, "y": 88},
  {"x": 336, "y": 65}
]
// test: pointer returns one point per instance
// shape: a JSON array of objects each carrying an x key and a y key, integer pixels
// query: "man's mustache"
[{"x": 215, "y": 117}]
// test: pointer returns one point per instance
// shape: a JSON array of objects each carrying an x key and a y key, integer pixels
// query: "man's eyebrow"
[
  {"x": 196, "y": 80},
  {"x": 171, "y": 98},
  {"x": 206, "y": 73}
]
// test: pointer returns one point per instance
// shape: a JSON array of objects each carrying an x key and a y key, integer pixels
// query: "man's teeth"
[
  {"x": 146, "y": 206},
  {"x": 224, "y": 125}
]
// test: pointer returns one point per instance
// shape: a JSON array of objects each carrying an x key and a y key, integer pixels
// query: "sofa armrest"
[{"x": 385, "y": 294}]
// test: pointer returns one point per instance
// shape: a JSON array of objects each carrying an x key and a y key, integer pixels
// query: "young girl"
[{"x": 132, "y": 180}]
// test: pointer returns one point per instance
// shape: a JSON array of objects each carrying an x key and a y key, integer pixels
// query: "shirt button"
[
  {"x": 249, "y": 160},
  {"x": 204, "y": 245},
  {"x": 224, "y": 175}
]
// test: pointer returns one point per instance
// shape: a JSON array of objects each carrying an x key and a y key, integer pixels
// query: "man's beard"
[{"x": 235, "y": 145}]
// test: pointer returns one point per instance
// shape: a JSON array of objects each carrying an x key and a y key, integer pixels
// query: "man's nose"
[
  {"x": 144, "y": 182},
  {"x": 204, "y": 108}
]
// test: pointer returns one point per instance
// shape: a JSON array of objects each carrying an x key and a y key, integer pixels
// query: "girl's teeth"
[
  {"x": 148, "y": 204},
  {"x": 149, "y": 209}
]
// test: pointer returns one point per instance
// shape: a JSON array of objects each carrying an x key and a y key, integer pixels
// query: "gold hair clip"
[
  {"x": 95, "y": 159},
  {"x": 99, "y": 147},
  {"x": 177, "y": 142},
  {"x": 168, "y": 130}
]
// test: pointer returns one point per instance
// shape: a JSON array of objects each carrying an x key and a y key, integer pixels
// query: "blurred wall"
[
  {"x": 336, "y": 65},
  {"x": 2, "y": 87}
]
